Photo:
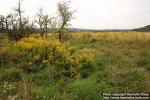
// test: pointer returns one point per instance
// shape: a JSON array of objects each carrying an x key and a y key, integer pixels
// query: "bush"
[
  {"x": 52, "y": 53},
  {"x": 42, "y": 52},
  {"x": 85, "y": 62}
]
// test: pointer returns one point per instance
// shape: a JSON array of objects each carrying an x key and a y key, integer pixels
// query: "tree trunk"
[
  {"x": 46, "y": 30},
  {"x": 60, "y": 36}
]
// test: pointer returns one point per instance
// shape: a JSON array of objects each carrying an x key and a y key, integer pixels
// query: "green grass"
[
  {"x": 10, "y": 74},
  {"x": 121, "y": 65}
]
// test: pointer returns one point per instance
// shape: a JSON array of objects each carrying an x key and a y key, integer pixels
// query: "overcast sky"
[{"x": 93, "y": 14}]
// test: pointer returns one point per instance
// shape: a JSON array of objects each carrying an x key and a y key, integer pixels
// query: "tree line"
[{"x": 17, "y": 26}]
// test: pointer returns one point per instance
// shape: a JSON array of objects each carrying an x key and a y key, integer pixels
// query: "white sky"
[{"x": 93, "y": 14}]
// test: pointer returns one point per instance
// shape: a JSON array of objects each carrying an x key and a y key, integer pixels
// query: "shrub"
[
  {"x": 44, "y": 52},
  {"x": 85, "y": 62},
  {"x": 52, "y": 53}
]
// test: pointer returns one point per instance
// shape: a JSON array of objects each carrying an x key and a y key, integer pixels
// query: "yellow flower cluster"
[
  {"x": 52, "y": 52},
  {"x": 42, "y": 47}
]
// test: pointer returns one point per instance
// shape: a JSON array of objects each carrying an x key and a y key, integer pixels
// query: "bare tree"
[
  {"x": 40, "y": 21},
  {"x": 18, "y": 22},
  {"x": 7, "y": 22},
  {"x": 32, "y": 27},
  {"x": 46, "y": 21},
  {"x": 53, "y": 25},
  {"x": 2, "y": 23},
  {"x": 12, "y": 26},
  {"x": 43, "y": 21},
  {"x": 19, "y": 12},
  {"x": 65, "y": 15}
]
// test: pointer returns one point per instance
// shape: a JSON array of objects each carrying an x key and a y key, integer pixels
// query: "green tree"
[{"x": 65, "y": 16}]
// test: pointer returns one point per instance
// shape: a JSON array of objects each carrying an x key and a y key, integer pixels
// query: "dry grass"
[
  {"x": 120, "y": 36},
  {"x": 121, "y": 63}
]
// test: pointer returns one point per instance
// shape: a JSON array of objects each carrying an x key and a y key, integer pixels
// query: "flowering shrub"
[
  {"x": 44, "y": 51},
  {"x": 51, "y": 52},
  {"x": 85, "y": 59}
]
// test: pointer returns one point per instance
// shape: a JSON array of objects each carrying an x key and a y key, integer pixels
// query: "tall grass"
[{"x": 81, "y": 68}]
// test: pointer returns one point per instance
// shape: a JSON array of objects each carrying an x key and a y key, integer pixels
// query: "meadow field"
[{"x": 81, "y": 68}]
